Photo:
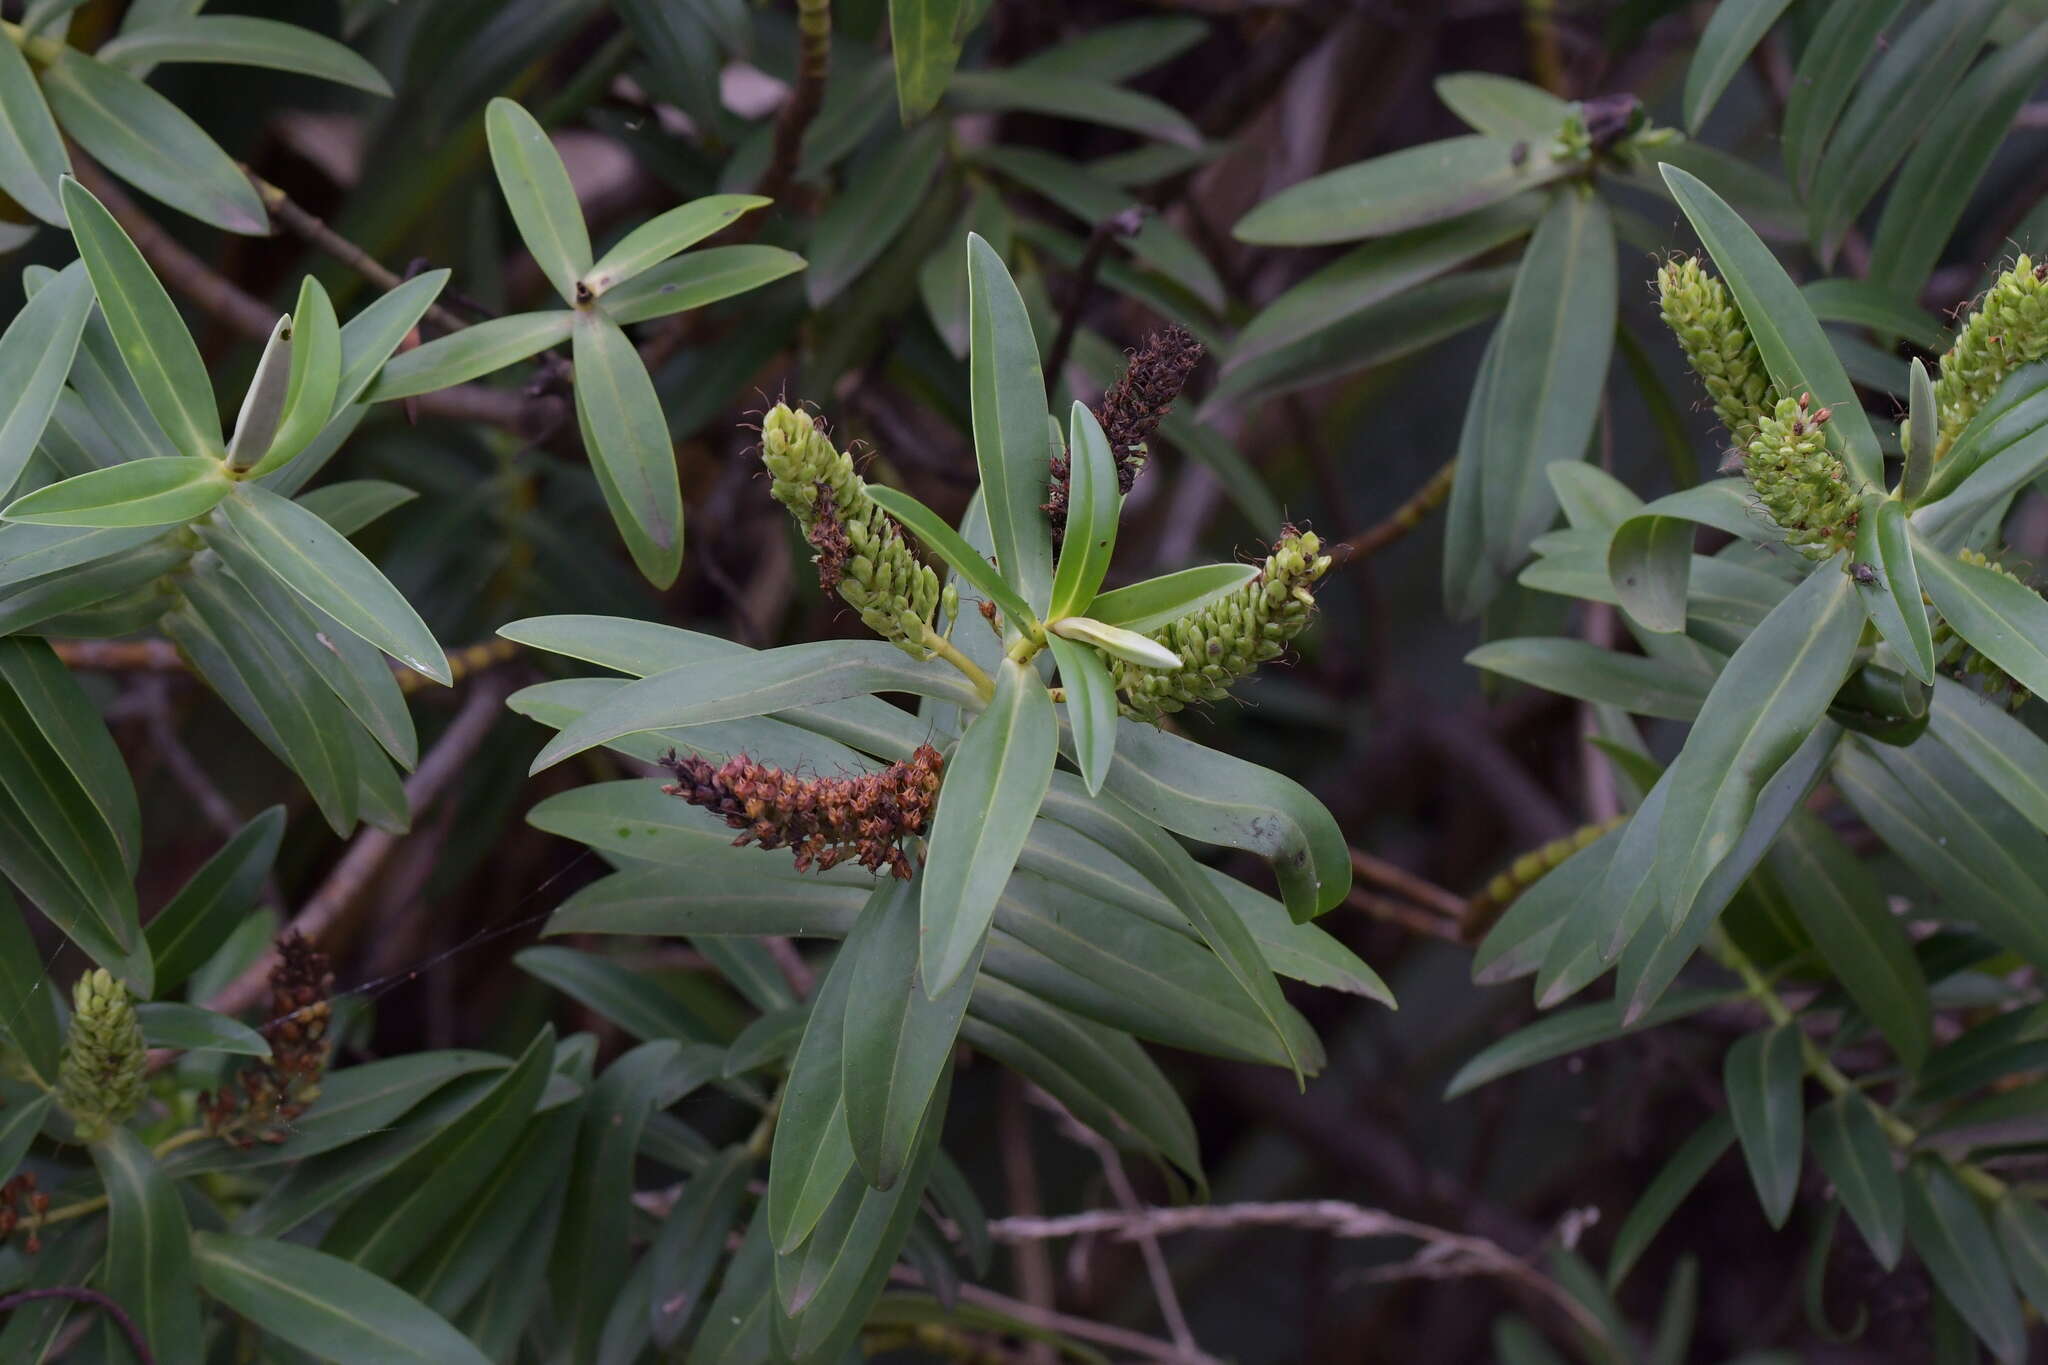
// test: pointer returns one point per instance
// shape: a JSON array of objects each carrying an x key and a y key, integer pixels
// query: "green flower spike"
[
  {"x": 1802, "y": 485},
  {"x": 1227, "y": 639},
  {"x": 2008, "y": 330},
  {"x": 99, "y": 1077},
  {"x": 861, "y": 553},
  {"x": 1717, "y": 345}
]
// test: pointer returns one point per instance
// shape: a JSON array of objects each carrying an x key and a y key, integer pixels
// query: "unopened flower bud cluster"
[
  {"x": 1802, "y": 485},
  {"x": 1717, "y": 345},
  {"x": 2008, "y": 330},
  {"x": 100, "y": 1075}
]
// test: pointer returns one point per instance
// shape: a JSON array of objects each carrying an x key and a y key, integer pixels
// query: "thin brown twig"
[
  {"x": 1450, "y": 1254},
  {"x": 1402, "y": 519},
  {"x": 1081, "y": 1329},
  {"x": 161, "y": 656},
  {"x": 1410, "y": 917},
  {"x": 316, "y": 231},
  {"x": 79, "y": 1293},
  {"x": 813, "y": 65},
  {"x": 1020, "y": 1176},
  {"x": 367, "y": 854},
  {"x": 1123, "y": 224},
  {"x": 1423, "y": 891},
  {"x": 184, "y": 768}
]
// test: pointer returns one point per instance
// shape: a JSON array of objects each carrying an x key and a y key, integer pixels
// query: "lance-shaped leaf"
[
  {"x": 1127, "y": 645},
  {"x": 31, "y": 148},
  {"x": 1555, "y": 339},
  {"x": 206, "y": 909},
  {"x": 812, "y": 1151},
  {"x": 772, "y": 681},
  {"x": 319, "y": 564},
  {"x": 627, "y": 440},
  {"x": 949, "y": 545},
  {"x": 1734, "y": 30},
  {"x": 369, "y": 338},
  {"x": 1960, "y": 1253},
  {"x": 36, "y": 353},
  {"x": 897, "y": 1039},
  {"x": 698, "y": 279},
  {"x": 1771, "y": 695},
  {"x": 1152, "y": 603},
  {"x": 314, "y": 380},
  {"x": 1093, "y": 502},
  {"x": 881, "y": 198},
  {"x": 154, "y": 344},
  {"x": 1090, "y": 699},
  {"x": 237, "y": 40},
  {"x": 1762, "y": 1074},
  {"x": 661, "y": 237},
  {"x": 1404, "y": 189},
  {"x": 1893, "y": 599},
  {"x": 2004, "y": 621},
  {"x": 323, "y": 1305},
  {"x": 1918, "y": 434},
  {"x": 924, "y": 40},
  {"x": 537, "y": 190},
  {"x": 1662, "y": 1196},
  {"x": 1650, "y": 561},
  {"x": 149, "y": 142},
  {"x": 149, "y": 1247},
  {"x": 1788, "y": 339},
  {"x": 2023, "y": 1233},
  {"x": 462, "y": 356},
  {"x": 160, "y": 490},
  {"x": 1830, "y": 68},
  {"x": 1008, "y": 392},
  {"x": 993, "y": 784},
  {"x": 263, "y": 401},
  {"x": 1638, "y": 684},
  {"x": 1857, "y": 1157}
]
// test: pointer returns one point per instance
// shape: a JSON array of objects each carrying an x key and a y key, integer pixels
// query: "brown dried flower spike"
[
  {"x": 275, "y": 1093},
  {"x": 826, "y": 820},
  {"x": 1131, "y": 411}
]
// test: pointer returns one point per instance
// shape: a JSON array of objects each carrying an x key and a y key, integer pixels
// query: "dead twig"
[
  {"x": 1421, "y": 890},
  {"x": 1124, "y": 224},
  {"x": 1402, "y": 519},
  {"x": 316, "y": 232},
  {"x": 185, "y": 770}
]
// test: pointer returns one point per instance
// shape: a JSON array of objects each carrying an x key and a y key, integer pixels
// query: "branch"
[
  {"x": 78, "y": 1293},
  {"x": 1124, "y": 224},
  {"x": 813, "y": 65},
  {"x": 1403, "y": 519},
  {"x": 367, "y": 854},
  {"x": 315, "y": 231},
  {"x": 161, "y": 656}
]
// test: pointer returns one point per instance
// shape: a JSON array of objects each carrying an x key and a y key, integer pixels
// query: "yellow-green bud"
[
  {"x": 2008, "y": 330},
  {"x": 1802, "y": 485},
  {"x": 1224, "y": 641},
  {"x": 100, "y": 1075},
  {"x": 861, "y": 553},
  {"x": 1717, "y": 345}
]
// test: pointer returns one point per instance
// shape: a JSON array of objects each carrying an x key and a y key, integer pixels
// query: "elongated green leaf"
[
  {"x": 1555, "y": 340},
  {"x": 692, "y": 1243},
  {"x": 36, "y": 353},
  {"x": 31, "y": 148},
  {"x": 369, "y": 338},
  {"x": 154, "y": 344},
  {"x": 872, "y": 211},
  {"x": 1090, "y": 699},
  {"x": 149, "y": 1246},
  {"x": 314, "y": 380},
  {"x": 662, "y": 236},
  {"x": 19, "y": 1126},
  {"x": 28, "y": 1015},
  {"x": 1788, "y": 339},
  {"x": 1093, "y": 503},
  {"x": 151, "y": 143},
  {"x": 1378, "y": 271},
  {"x": 1762, "y": 1075},
  {"x": 389, "y": 1225},
  {"x": 1854, "y": 1152},
  {"x": 950, "y": 546},
  {"x": 1665, "y": 1192},
  {"x": 2023, "y": 1233},
  {"x": 774, "y": 681},
  {"x": 187, "y": 1028},
  {"x": 473, "y": 351},
  {"x": 237, "y": 40},
  {"x": 163, "y": 490},
  {"x": 1470, "y": 576},
  {"x": 627, "y": 439},
  {"x": 634, "y": 1002},
  {"x": 1734, "y": 31},
  {"x": 2003, "y": 620},
  {"x": 352, "y": 504},
  {"x": 924, "y": 38},
  {"x": 1918, "y": 434},
  {"x": 320, "y": 565},
  {"x": 1009, "y": 424},
  {"x": 1918, "y": 68},
  {"x": 1869, "y": 305},
  {"x": 1405, "y": 189},
  {"x": 1828, "y": 71},
  {"x": 897, "y": 1038},
  {"x": 812, "y": 1151},
  {"x": 1502, "y": 106},
  {"x": 1995, "y": 745},
  {"x": 1641, "y": 686},
  {"x": 1650, "y": 561},
  {"x": 1213, "y": 797},
  {"x": 324, "y": 1305},
  {"x": 1151, "y": 604},
  {"x": 1003, "y": 763},
  {"x": 537, "y": 190},
  {"x": 697, "y": 279},
  {"x": 1060, "y": 95},
  {"x": 1773, "y": 692},
  {"x": 1957, "y": 1247},
  {"x": 1568, "y": 1031},
  {"x": 1842, "y": 907},
  {"x": 1520, "y": 940},
  {"x": 1894, "y": 600},
  {"x": 263, "y": 402}
]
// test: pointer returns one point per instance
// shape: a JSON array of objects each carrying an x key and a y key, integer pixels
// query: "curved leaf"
[
  {"x": 627, "y": 440},
  {"x": 32, "y": 157},
  {"x": 149, "y": 1247},
  {"x": 537, "y": 190},
  {"x": 473, "y": 351},
  {"x": 1857, "y": 1157},
  {"x": 1650, "y": 561},
  {"x": 159, "y": 490},
  {"x": 662, "y": 236},
  {"x": 1151, "y": 604},
  {"x": 1093, "y": 503},
  {"x": 1762, "y": 1074},
  {"x": 697, "y": 279},
  {"x": 1956, "y": 1245},
  {"x": 1008, "y": 391},
  {"x": 237, "y": 40},
  {"x": 1404, "y": 189}
]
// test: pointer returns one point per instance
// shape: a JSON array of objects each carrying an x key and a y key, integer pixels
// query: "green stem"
[
  {"x": 43, "y": 50},
  {"x": 1831, "y": 1077},
  {"x": 945, "y": 649}
]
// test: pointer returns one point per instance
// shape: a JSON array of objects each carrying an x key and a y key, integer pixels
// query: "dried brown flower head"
[
  {"x": 267, "y": 1097},
  {"x": 1131, "y": 411},
  {"x": 825, "y": 820}
]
